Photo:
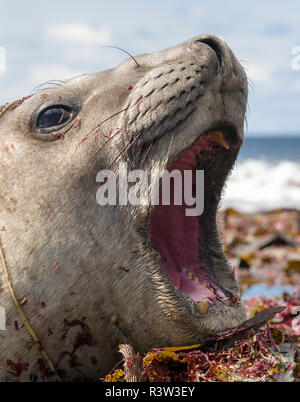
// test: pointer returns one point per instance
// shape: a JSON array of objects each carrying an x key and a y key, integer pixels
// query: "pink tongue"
[
  {"x": 189, "y": 286},
  {"x": 176, "y": 237},
  {"x": 194, "y": 289}
]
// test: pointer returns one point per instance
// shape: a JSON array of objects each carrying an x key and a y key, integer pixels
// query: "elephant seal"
[{"x": 90, "y": 277}]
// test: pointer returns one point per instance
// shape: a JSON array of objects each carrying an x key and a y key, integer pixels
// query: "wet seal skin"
[{"x": 90, "y": 277}]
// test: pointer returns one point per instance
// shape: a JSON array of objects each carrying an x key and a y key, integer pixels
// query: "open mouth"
[{"x": 184, "y": 242}]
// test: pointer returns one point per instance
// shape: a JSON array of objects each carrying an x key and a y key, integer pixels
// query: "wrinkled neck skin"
[{"x": 88, "y": 273}]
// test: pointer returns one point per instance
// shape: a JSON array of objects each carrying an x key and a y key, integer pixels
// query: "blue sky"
[{"x": 61, "y": 38}]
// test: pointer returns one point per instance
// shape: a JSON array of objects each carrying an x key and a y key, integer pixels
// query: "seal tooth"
[
  {"x": 208, "y": 286},
  {"x": 203, "y": 306},
  {"x": 234, "y": 299},
  {"x": 195, "y": 278},
  {"x": 218, "y": 137},
  {"x": 189, "y": 274},
  {"x": 183, "y": 270}
]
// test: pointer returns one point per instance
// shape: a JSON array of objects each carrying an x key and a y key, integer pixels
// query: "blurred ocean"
[{"x": 266, "y": 175}]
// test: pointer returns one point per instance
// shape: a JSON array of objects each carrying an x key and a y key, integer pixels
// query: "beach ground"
[{"x": 264, "y": 251}]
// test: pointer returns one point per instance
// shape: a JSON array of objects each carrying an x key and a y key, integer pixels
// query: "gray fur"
[{"x": 93, "y": 266}]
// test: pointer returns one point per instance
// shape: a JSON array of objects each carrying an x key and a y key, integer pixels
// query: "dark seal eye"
[{"x": 54, "y": 117}]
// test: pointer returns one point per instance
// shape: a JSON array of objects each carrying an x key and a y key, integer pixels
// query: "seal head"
[{"x": 91, "y": 277}]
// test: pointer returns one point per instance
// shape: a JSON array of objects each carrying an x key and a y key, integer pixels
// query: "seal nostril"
[{"x": 215, "y": 47}]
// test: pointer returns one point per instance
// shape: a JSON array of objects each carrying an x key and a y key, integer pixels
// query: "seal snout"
[
  {"x": 213, "y": 43},
  {"x": 232, "y": 74}
]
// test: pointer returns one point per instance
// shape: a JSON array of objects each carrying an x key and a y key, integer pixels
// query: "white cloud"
[
  {"x": 79, "y": 34},
  {"x": 258, "y": 72}
]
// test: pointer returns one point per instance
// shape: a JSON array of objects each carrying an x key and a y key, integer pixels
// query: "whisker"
[
  {"x": 99, "y": 149},
  {"x": 93, "y": 162},
  {"x": 146, "y": 154},
  {"x": 168, "y": 153},
  {"x": 48, "y": 84},
  {"x": 125, "y": 149},
  {"x": 119, "y": 48},
  {"x": 96, "y": 128}
]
